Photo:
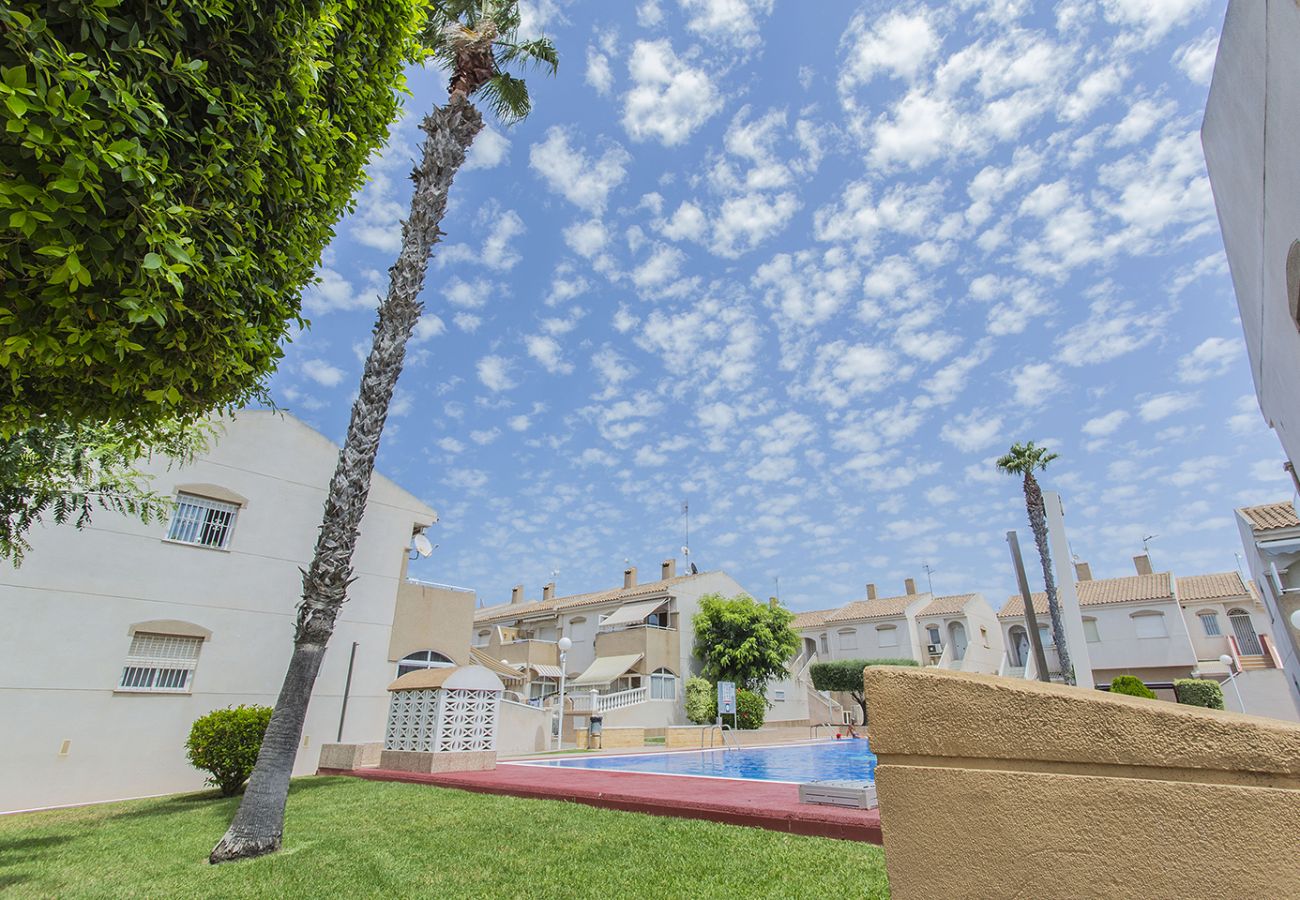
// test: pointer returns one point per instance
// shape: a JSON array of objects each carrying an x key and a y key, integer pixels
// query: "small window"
[
  {"x": 1210, "y": 622},
  {"x": 778, "y": 696},
  {"x": 933, "y": 632},
  {"x": 202, "y": 522},
  {"x": 826, "y": 647},
  {"x": 663, "y": 685},
  {"x": 848, "y": 639},
  {"x": 887, "y": 635},
  {"x": 1150, "y": 625},
  {"x": 160, "y": 663},
  {"x": 1090, "y": 631},
  {"x": 1045, "y": 636},
  {"x": 422, "y": 659}
]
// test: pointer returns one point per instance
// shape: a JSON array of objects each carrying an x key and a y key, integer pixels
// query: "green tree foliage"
[
  {"x": 1131, "y": 685},
  {"x": 845, "y": 675},
  {"x": 172, "y": 172},
  {"x": 701, "y": 700},
  {"x": 742, "y": 640},
  {"x": 225, "y": 743},
  {"x": 64, "y": 474},
  {"x": 751, "y": 708},
  {"x": 1204, "y": 692}
]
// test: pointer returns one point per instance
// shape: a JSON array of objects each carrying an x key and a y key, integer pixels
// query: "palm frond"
[
  {"x": 539, "y": 52},
  {"x": 507, "y": 97}
]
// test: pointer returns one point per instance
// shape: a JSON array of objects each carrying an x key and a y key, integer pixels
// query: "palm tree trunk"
[
  {"x": 1038, "y": 522},
  {"x": 259, "y": 824}
]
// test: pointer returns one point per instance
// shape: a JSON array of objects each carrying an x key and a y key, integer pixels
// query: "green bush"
[
  {"x": 846, "y": 675},
  {"x": 1204, "y": 692},
  {"x": 751, "y": 709},
  {"x": 225, "y": 742},
  {"x": 701, "y": 700},
  {"x": 172, "y": 173},
  {"x": 1131, "y": 685}
]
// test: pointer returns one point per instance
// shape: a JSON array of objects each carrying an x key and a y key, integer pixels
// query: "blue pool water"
[{"x": 830, "y": 760}]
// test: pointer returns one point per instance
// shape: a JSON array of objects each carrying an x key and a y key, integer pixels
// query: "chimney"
[
  {"x": 871, "y": 592},
  {"x": 910, "y": 584},
  {"x": 517, "y": 594},
  {"x": 1143, "y": 564},
  {"x": 668, "y": 569},
  {"x": 548, "y": 591},
  {"x": 1082, "y": 571},
  {"x": 629, "y": 577}
]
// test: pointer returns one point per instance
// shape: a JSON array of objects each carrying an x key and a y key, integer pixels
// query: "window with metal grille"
[
  {"x": 201, "y": 521},
  {"x": 160, "y": 663},
  {"x": 1210, "y": 622}
]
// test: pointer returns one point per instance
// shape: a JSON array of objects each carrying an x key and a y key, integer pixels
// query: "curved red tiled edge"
[{"x": 759, "y": 804}]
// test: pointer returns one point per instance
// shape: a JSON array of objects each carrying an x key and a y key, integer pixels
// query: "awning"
[
  {"x": 606, "y": 668},
  {"x": 505, "y": 671},
  {"x": 545, "y": 671},
  {"x": 632, "y": 613}
]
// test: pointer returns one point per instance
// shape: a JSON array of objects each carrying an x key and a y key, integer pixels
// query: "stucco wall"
[
  {"x": 1025, "y": 789},
  {"x": 984, "y": 637},
  {"x": 1121, "y": 648},
  {"x": 428, "y": 617},
  {"x": 522, "y": 728}
]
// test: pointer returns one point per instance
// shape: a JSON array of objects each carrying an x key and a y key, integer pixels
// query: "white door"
[{"x": 957, "y": 631}]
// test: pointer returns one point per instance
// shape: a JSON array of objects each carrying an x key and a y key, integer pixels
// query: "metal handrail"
[{"x": 812, "y": 730}]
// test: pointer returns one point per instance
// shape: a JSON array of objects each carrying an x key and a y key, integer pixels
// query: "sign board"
[{"x": 726, "y": 698}]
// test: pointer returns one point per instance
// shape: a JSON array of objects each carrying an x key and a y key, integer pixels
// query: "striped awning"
[
  {"x": 606, "y": 668},
  {"x": 504, "y": 671},
  {"x": 632, "y": 613},
  {"x": 545, "y": 671}
]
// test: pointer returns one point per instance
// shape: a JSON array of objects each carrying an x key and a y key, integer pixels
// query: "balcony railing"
[{"x": 593, "y": 702}]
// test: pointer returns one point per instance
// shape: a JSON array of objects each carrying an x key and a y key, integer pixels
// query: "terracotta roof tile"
[
  {"x": 508, "y": 611},
  {"x": 1100, "y": 591},
  {"x": 880, "y": 608},
  {"x": 810, "y": 619},
  {"x": 1220, "y": 585},
  {"x": 947, "y": 606},
  {"x": 1272, "y": 516}
]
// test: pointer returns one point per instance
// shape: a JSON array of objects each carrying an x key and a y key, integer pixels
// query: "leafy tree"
[
  {"x": 742, "y": 640},
  {"x": 172, "y": 172},
  {"x": 845, "y": 675},
  {"x": 65, "y": 473},
  {"x": 476, "y": 40},
  {"x": 225, "y": 743},
  {"x": 1024, "y": 460},
  {"x": 701, "y": 700},
  {"x": 1131, "y": 685}
]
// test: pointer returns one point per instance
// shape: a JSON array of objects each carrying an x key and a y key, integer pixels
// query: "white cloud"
[
  {"x": 494, "y": 372},
  {"x": 669, "y": 99},
  {"x": 467, "y": 322},
  {"x": 518, "y": 423},
  {"x": 899, "y": 44},
  {"x": 334, "y": 292},
  {"x": 649, "y": 14},
  {"x": 584, "y": 181},
  {"x": 450, "y": 445},
  {"x": 1246, "y": 418},
  {"x": 1196, "y": 58},
  {"x": 732, "y": 21},
  {"x": 599, "y": 74},
  {"x": 940, "y": 495},
  {"x": 490, "y": 149},
  {"x": 426, "y": 327},
  {"x": 1100, "y": 426},
  {"x": 1111, "y": 331},
  {"x": 546, "y": 350},
  {"x": 1212, "y": 358},
  {"x": 974, "y": 431},
  {"x": 586, "y": 238},
  {"x": 1034, "y": 383},
  {"x": 1161, "y": 406},
  {"x": 321, "y": 372},
  {"x": 1154, "y": 18},
  {"x": 843, "y": 372}
]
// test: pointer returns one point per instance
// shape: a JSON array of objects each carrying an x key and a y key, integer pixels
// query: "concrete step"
[{"x": 1256, "y": 662}]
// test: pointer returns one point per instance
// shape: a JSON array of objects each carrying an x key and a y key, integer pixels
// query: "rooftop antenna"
[
  {"x": 686, "y": 514},
  {"x": 1147, "y": 549},
  {"x": 929, "y": 570},
  {"x": 776, "y": 580}
]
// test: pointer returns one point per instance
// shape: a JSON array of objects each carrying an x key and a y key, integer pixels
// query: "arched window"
[
  {"x": 1148, "y": 623},
  {"x": 1210, "y": 624},
  {"x": 422, "y": 659},
  {"x": 663, "y": 685}
]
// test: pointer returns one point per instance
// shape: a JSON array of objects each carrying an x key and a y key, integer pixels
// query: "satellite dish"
[
  {"x": 422, "y": 545},
  {"x": 694, "y": 571}
]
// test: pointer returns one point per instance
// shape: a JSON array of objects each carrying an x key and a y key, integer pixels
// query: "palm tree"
[
  {"x": 476, "y": 40},
  {"x": 1024, "y": 460}
]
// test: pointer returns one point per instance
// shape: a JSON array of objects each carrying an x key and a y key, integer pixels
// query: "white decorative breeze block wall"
[{"x": 437, "y": 720}]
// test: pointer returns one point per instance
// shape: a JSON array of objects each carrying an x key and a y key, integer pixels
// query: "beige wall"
[
  {"x": 1037, "y": 790},
  {"x": 659, "y": 645},
  {"x": 521, "y": 729},
  {"x": 429, "y": 617}
]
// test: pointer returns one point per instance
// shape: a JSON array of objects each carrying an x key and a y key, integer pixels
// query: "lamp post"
[
  {"x": 564, "y": 645},
  {"x": 1232, "y": 676}
]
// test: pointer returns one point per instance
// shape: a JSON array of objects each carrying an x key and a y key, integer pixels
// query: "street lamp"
[
  {"x": 564, "y": 644},
  {"x": 1232, "y": 676}
]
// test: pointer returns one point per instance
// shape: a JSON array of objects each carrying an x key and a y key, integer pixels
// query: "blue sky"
[{"x": 812, "y": 272}]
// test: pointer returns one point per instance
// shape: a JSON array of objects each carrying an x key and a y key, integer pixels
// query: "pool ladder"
[{"x": 723, "y": 731}]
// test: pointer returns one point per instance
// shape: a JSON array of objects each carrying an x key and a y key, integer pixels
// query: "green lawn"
[{"x": 349, "y": 838}]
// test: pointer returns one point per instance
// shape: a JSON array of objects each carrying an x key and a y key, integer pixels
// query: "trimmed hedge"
[
  {"x": 172, "y": 173},
  {"x": 846, "y": 675},
  {"x": 1131, "y": 685},
  {"x": 701, "y": 700},
  {"x": 1204, "y": 692},
  {"x": 225, "y": 744}
]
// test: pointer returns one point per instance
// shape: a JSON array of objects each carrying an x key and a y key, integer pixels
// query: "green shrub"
[
  {"x": 225, "y": 742},
  {"x": 751, "y": 709},
  {"x": 846, "y": 675},
  {"x": 172, "y": 173},
  {"x": 701, "y": 700},
  {"x": 1204, "y": 692},
  {"x": 1131, "y": 685}
]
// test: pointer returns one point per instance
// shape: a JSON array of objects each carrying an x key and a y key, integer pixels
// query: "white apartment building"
[
  {"x": 1252, "y": 118},
  {"x": 632, "y": 646},
  {"x": 1270, "y": 535},
  {"x": 121, "y": 635}
]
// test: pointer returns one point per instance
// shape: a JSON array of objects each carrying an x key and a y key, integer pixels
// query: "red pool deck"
[{"x": 759, "y": 804}]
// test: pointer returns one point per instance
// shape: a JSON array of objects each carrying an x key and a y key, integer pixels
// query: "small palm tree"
[
  {"x": 1024, "y": 460},
  {"x": 476, "y": 41}
]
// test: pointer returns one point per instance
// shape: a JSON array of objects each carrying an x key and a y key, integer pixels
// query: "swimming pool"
[{"x": 797, "y": 763}]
